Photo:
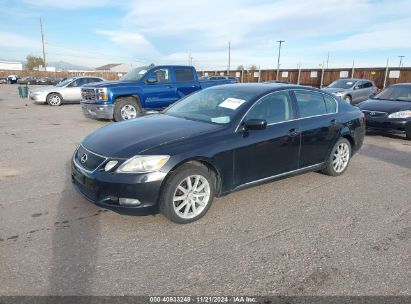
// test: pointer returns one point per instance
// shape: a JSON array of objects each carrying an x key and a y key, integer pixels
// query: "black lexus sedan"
[
  {"x": 213, "y": 142},
  {"x": 390, "y": 110}
]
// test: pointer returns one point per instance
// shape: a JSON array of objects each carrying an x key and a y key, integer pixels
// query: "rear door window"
[
  {"x": 310, "y": 103},
  {"x": 184, "y": 74},
  {"x": 330, "y": 104}
]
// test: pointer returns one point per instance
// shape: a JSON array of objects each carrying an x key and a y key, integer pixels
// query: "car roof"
[
  {"x": 262, "y": 88},
  {"x": 402, "y": 84}
]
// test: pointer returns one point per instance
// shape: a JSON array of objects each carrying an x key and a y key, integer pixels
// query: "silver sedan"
[{"x": 67, "y": 91}]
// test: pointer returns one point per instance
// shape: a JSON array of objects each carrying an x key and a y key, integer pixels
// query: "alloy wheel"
[
  {"x": 191, "y": 196},
  {"x": 54, "y": 100},
  {"x": 128, "y": 112},
  {"x": 341, "y": 157}
]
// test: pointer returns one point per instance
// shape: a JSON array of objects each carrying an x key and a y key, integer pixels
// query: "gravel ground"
[{"x": 306, "y": 235}]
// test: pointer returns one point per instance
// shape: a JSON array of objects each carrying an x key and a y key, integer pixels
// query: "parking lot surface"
[{"x": 306, "y": 235}]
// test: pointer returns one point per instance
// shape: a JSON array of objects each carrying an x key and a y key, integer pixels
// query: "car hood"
[
  {"x": 335, "y": 90},
  {"x": 128, "y": 138},
  {"x": 110, "y": 84},
  {"x": 388, "y": 106}
]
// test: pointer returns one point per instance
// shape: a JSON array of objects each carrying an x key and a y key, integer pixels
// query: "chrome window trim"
[
  {"x": 278, "y": 175},
  {"x": 300, "y": 118}
]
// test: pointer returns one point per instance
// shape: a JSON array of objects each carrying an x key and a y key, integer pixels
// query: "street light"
[
  {"x": 279, "y": 54},
  {"x": 400, "y": 61}
]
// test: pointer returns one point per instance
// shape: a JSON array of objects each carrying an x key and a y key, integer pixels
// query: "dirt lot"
[{"x": 310, "y": 234}]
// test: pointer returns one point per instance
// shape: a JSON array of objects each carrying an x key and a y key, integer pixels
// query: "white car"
[{"x": 67, "y": 91}]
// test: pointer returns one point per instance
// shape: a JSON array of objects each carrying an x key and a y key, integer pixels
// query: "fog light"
[
  {"x": 129, "y": 201},
  {"x": 110, "y": 165}
]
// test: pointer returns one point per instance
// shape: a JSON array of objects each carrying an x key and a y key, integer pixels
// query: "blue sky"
[{"x": 97, "y": 32}]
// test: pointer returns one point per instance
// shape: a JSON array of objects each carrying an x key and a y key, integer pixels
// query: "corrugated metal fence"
[{"x": 312, "y": 77}]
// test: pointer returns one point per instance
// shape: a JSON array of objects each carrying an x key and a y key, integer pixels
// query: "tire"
[
  {"x": 54, "y": 99},
  {"x": 339, "y": 158},
  {"x": 408, "y": 133},
  {"x": 126, "y": 108},
  {"x": 348, "y": 99},
  {"x": 182, "y": 211}
]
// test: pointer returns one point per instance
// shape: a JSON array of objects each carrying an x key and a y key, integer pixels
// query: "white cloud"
[
  {"x": 69, "y": 4},
  {"x": 18, "y": 41}
]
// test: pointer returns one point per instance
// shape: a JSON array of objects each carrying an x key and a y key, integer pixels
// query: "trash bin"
[
  {"x": 20, "y": 90},
  {"x": 24, "y": 92}
]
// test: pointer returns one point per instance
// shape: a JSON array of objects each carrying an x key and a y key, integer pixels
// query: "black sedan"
[
  {"x": 390, "y": 110},
  {"x": 213, "y": 142}
]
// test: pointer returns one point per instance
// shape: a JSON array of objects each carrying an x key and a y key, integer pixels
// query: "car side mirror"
[
  {"x": 255, "y": 124},
  {"x": 151, "y": 80},
  {"x": 356, "y": 87}
]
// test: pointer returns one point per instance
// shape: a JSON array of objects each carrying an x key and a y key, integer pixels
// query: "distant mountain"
[{"x": 67, "y": 65}]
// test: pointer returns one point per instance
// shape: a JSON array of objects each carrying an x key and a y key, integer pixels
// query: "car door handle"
[
  {"x": 333, "y": 121},
  {"x": 293, "y": 132}
]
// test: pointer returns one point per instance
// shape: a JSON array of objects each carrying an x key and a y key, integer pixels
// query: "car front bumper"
[
  {"x": 388, "y": 124},
  {"x": 106, "y": 188},
  {"x": 38, "y": 97},
  {"x": 98, "y": 111}
]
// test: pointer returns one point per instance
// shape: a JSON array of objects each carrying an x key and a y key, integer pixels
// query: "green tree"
[
  {"x": 33, "y": 62},
  {"x": 240, "y": 67}
]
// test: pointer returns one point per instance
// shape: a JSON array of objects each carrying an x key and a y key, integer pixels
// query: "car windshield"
[
  {"x": 342, "y": 84},
  {"x": 213, "y": 105},
  {"x": 397, "y": 93},
  {"x": 64, "y": 82},
  {"x": 135, "y": 74}
]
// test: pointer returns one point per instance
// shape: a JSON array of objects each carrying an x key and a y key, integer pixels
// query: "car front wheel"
[
  {"x": 54, "y": 99},
  {"x": 188, "y": 194},
  {"x": 339, "y": 158},
  {"x": 348, "y": 99}
]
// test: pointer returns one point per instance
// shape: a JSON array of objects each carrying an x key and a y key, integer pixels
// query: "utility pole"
[
  {"x": 279, "y": 54},
  {"x": 328, "y": 58},
  {"x": 42, "y": 41},
  {"x": 299, "y": 73},
  {"x": 386, "y": 75},
  {"x": 229, "y": 58},
  {"x": 400, "y": 61},
  {"x": 352, "y": 69}
]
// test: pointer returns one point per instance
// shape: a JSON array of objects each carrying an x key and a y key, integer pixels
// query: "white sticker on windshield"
[
  {"x": 221, "y": 120},
  {"x": 350, "y": 83},
  {"x": 231, "y": 103},
  {"x": 142, "y": 72}
]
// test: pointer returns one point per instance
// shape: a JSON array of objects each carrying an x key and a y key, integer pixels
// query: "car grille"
[
  {"x": 375, "y": 113},
  {"x": 87, "y": 159},
  {"x": 88, "y": 94}
]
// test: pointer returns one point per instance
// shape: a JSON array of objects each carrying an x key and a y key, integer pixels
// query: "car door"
[
  {"x": 186, "y": 82},
  {"x": 159, "y": 89},
  {"x": 72, "y": 92},
  {"x": 361, "y": 91},
  {"x": 274, "y": 150},
  {"x": 318, "y": 124}
]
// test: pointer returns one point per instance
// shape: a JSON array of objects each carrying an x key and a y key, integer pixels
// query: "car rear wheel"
[
  {"x": 54, "y": 99},
  {"x": 339, "y": 158},
  {"x": 188, "y": 194},
  {"x": 126, "y": 108},
  {"x": 348, "y": 99}
]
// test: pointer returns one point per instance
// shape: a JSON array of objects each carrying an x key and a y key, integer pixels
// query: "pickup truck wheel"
[{"x": 125, "y": 109}]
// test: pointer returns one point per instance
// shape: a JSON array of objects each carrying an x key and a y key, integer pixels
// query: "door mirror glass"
[
  {"x": 151, "y": 80},
  {"x": 255, "y": 124}
]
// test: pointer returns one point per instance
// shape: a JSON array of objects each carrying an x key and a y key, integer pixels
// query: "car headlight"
[
  {"x": 102, "y": 94},
  {"x": 401, "y": 114},
  {"x": 143, "y": 164}
]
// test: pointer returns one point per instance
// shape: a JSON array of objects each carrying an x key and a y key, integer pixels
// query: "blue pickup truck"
[{"x": 141, "y": 90}]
